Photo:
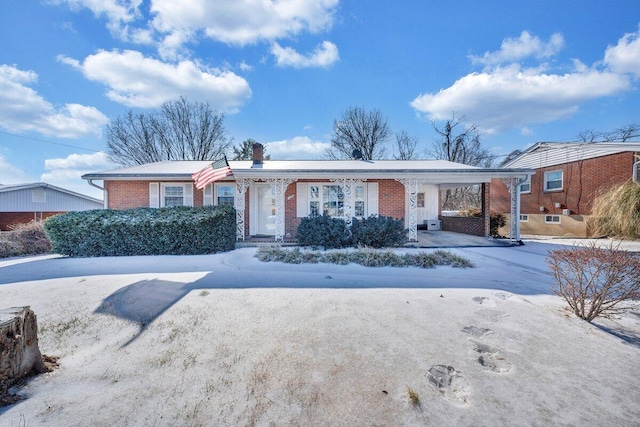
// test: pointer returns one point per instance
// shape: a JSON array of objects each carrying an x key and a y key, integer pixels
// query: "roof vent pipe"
[{"x": 258, "y": 154}]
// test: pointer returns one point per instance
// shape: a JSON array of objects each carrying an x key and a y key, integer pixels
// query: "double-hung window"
[
  {"x": 172, "y": 195},
  {"x": 525, "y": 187},
  {"x": 328, "y": 199},
  {"x": 225, "y": 195},
  {"x": 553, "y": 181}
]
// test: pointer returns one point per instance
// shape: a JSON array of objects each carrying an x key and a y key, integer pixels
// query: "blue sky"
[{"x": 281, "y": 71}]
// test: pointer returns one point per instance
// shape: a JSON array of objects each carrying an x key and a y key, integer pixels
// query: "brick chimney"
[{"x": 257, "y": 154}]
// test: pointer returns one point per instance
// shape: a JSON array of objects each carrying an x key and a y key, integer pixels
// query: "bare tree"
[
  {"x": 461, "y": 144},
  {"x": 589, "y": 135},
  {"x": 406, "y": 145},
  {"x": 512, "y": 155},
  {"x": 622, "y": 134},
  {"x": 362, "y": 130},
  {"x": 244, "y": 151},
  {"x": 180, "y": 130}
]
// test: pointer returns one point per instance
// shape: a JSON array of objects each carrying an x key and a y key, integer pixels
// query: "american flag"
[{"x": 214, "y": 172}]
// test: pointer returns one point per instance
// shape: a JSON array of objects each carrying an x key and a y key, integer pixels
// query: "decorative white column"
[
  {"x": 411, "y": 188},
  {"x": 242, "y": 184},
  {"x": 279, "y": 186}
]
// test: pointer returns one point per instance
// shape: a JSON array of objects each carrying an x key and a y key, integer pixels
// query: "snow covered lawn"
[{"x": 228, "y": 340}]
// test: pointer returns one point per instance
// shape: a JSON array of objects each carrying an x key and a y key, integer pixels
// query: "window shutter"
[
  {"x": 372, "y": 198},
  {"x": 154, "y": 195},
  {"x": 188, "y": 194},
  {"x": 302, "y": 199},
  {"x": 208, "y": 195}
]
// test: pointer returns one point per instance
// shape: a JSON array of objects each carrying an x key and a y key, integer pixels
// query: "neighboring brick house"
[
  {"x": 23, "y": 203},
  {"x": 271, "y": 197},
  {"x": 557, "y": 199}
]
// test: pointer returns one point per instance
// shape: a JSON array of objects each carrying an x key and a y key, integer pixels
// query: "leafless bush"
[
  {"x": 596, "y": 281},
  {"x": 24, "y": 239}
]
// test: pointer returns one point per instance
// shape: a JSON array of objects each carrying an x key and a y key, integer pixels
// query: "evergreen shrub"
[
  {"x": 378, "y": 232},
  {"x": 323, "y": 231},
  {"x": 143, "y": 231}
]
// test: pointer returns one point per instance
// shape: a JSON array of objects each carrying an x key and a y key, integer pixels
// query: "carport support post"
[
  {"x": 411, "y": 188},
  {"x": 514, "y": 216}
]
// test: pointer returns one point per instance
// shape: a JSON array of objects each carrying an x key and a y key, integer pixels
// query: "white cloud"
[
  {"x": 66, "y": 172},
  {"x": 10, "y": 174},
  {"x": 119, "y": 14},
  {"x": 22, "y": 109},
  {"x": 507, "y": 95},
  {"x": 625, "y": 56},
  {"x": 298, "y": 147},
  {"x": 324, "y": 56},
  {"x": 523, "y": 47},
  {"x": 138, "y": 81},
  {"x": 242, "y": 22},
  {"x": 511, "y": 98}
]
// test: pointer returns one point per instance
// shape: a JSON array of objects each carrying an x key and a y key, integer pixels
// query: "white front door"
[{"x": 266, "y": 210}]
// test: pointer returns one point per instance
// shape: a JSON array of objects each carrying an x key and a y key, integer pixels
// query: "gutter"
[{"x": 105, "y": 194}]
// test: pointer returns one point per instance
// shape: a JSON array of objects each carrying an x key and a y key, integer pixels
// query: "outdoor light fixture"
[{"x": 541, "y": 208}]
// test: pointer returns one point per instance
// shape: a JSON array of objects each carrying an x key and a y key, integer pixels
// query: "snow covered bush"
[
  {"x": 378, "y": 232},
  {"x": 596, "y": 281},
  {"x": 323, "y": 231}
]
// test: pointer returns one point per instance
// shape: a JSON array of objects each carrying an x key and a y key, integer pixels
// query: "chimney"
[{"x": 257, "y": 154}]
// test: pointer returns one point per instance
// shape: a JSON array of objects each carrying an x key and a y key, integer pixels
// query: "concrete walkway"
[{"x": 449, "y": 239}]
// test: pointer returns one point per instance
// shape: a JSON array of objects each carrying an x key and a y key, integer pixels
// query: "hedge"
[{"x": 143, "y": 231}]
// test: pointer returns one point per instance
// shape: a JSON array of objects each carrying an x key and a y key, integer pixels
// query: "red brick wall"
[
  {"x": 10, "y": 219},
  {"x": 476, "y": 226},
  {"x": 135, "y": 194},
  {"x": 582, "y": 181},
  {"x": 391, "y": 198}
]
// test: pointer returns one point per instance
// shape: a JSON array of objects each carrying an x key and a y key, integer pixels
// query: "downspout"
[{"x": 105, "y": 194}]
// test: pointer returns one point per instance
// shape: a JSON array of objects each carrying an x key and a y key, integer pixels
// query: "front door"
[{"x": 266, "y": 210}]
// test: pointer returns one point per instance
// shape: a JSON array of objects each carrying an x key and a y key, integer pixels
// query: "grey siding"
[{"x": 21, "y": 200}]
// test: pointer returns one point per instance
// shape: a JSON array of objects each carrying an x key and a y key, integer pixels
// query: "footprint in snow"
[
  {"x": 491, "y": 359},
  {"x": 476, "y": 332},
  {"x": 484, "y": 301},
  {"x": 449, "y": 382}
]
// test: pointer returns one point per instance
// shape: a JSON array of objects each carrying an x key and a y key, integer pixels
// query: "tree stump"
[{"x": 20, "y": 355}]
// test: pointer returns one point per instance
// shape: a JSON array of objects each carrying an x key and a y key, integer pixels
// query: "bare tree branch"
[
  {"x": 179, "y": 131},
  {"x": 358, "y": 129}
]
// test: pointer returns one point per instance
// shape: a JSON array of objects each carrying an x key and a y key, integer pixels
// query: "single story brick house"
[
  {"x": 272, "y": 196},
  {"x": 557, "y": 199},
  {"x": 23, "y": 203}
]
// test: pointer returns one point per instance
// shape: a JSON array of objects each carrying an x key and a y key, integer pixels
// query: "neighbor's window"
[
  {"x": 173, "y": 195},
  {"x": 420, "y": 200},
  {"x": 552, "y": 219},
  {"x": 553, "y": 181},
  {"x": 225, "y": 195},
  {"x": 525, "y": 187},
  {"x": 524, "y": 218}
]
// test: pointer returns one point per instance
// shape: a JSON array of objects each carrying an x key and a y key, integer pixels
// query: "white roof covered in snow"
[
  {"x": 437, "y": 170},
  {"x": 544, "y": 154}
]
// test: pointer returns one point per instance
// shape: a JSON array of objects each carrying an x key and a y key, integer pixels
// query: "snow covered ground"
[{"x": 228, "y": 340}]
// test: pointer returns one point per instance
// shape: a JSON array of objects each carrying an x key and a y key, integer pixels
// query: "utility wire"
[{"x": 49, "y": 142}]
